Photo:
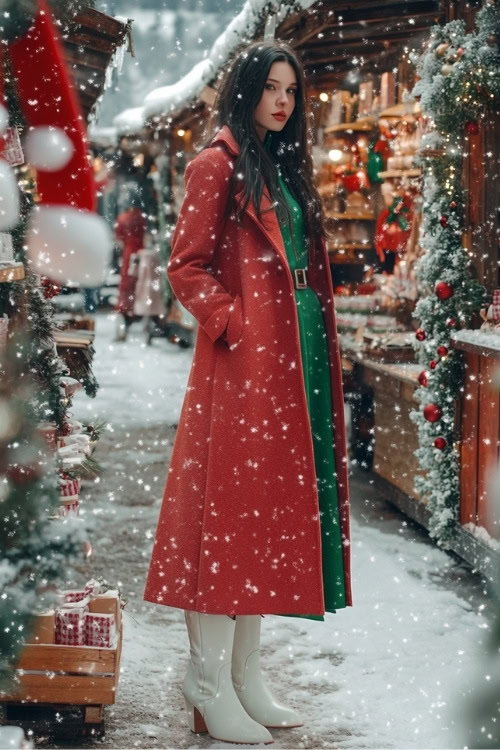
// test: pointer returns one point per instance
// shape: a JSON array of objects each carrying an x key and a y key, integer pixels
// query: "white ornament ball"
[
  {"x": 69, "y": 245},
  {"x": 48, "y": 148},
  {"x": 9, "y": 198},
  {"x": 4, "y": 119}
]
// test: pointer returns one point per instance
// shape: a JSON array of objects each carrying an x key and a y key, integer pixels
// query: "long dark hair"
[{"x": 238, "y": 94}]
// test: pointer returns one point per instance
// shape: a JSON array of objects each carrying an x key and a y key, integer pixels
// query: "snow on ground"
[
  {"x": 385, "y": 673},
  {"x": 140, "y": 385}
]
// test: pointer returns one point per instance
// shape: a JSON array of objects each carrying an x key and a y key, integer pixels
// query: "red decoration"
[
  {"x": 41, "y": 76},
  {"x": 420, "y": 334},
  {"x": 50, "y": 288},
  {"x": 432, "y": 413},
  {"x": 440, "y": 443},
  {"x": 451, "y": 322},
  {"x": 443, "y": 221},
  {"x": 422, "y": 378},
  {"x": 443, "y": 290},
  {"x": 355, "y": 181},
  {"x": 472, "y": 127},
  {"x": 433, "y": 364},
  {"x": 442, "y": 351},
  {"x": 393, "y": 227},
  {"x": 453, "y": 205}
]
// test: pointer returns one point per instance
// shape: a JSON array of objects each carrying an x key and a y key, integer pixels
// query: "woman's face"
[{"x": 278, "y": 99}]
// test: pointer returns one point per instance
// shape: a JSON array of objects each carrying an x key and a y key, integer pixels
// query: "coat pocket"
[{"x": 234, "y": 330}]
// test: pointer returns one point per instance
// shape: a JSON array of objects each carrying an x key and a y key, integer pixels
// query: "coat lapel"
[{"x": 270, "y": 228}]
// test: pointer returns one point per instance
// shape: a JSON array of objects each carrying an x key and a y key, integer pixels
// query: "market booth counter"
[{"x": 370, "y": 175}]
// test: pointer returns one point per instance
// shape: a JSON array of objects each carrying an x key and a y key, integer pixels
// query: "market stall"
[
  {"x": 414, "y": 248},
  {"x": 404, "y": 193}
]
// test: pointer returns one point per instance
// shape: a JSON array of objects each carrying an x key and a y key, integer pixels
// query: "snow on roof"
[
  {"x": 129, "y": 121},
  {"x": 103, "y": 136},
  {"x": 173, "y": 98}
]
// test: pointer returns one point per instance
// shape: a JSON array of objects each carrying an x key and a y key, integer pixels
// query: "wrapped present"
[
  {"x": 48, "y": 433},
  {"x": 93, "y": 588},
  {"x": 70, "y": 625},
  {"x": 12, "y": 150},
  {"x": 70, "y": 385},
  {"x": 79, "y": 441},
  {"x": 71, "y": 596},
  {"x": 107, "y": 603},
  {"x": 69, "y": 509},
  {"x": 44, "y": 628},
  {"x": 100, "y": 630},
  {"x": 69, "y": 489},
  {"x": 495, "y": 308}
]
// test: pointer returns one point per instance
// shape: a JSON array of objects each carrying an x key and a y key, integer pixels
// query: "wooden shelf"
[
  {"x": 347, "y": 254},
  {"x": 11, "y": 273},
  {"x": 350, "y": 216},
  {"x": 330, "y": 189},
  {"x": 367, "y": 123},
  {"x": 401, "y": 110},
  {"x": 401, "y": 173},
  {"x": 349, "y": 246}
]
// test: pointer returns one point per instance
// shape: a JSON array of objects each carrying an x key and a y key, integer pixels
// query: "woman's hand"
[{"x": 194, "y": 242}]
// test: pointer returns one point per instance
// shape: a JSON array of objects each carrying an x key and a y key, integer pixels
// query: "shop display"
[
  {"x": 491, "y": 315},
  {"x": 458, "y": 85}
]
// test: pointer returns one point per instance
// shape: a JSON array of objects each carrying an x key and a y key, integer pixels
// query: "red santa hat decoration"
[{"x": 67, "y": 241}]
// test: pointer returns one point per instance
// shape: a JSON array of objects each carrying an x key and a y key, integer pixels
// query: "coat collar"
[
  {"x": 225, "y": 136},
  {"x": 270, "y": 228}
]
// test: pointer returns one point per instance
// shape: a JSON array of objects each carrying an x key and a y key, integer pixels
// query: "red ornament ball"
[
  {"x": 49, "y": 288},
  {"x": 453, "y": 205},
  {"x": 442, "y": 351},
  {"x": 433, "y": 364},
  {"x": 420, "y": 334},
  {"x": 443, "y": 221},
  {"x": 443, "y": 290},
  {"x": 422, "y": 378},
  {"x": 432, "y": 413},
  {"x": 472, "y": 127},
  {"x": 440, "y": 443},
  {"x": 451, "y": 322}
]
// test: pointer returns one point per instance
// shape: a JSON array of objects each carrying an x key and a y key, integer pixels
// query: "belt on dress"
[{"x": 300, "y": 275}]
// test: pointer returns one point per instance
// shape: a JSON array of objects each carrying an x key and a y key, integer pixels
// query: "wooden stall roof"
[
  {"x": 90, "y": 42},
  {"x": 333, "y": 38}
]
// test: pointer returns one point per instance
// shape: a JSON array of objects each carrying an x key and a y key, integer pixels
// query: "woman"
[{"x": 255, "y": 516}]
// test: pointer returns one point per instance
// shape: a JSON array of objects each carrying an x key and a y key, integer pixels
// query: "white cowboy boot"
[
  {"x": 255, "y": 696},
  {"x": 211, "y": 702}
]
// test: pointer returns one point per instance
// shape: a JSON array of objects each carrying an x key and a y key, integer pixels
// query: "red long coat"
[{"x": 239, "y": 529}]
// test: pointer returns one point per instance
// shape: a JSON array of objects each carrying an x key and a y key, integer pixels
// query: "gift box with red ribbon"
[
  {"x": 70, "y": 626},
  {"x": 100, "y": 630}
]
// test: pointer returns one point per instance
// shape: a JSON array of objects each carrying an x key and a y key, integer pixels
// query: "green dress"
[{"x": 315, "y": 367}]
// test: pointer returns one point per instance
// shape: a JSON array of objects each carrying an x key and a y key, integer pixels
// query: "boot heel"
[{"x": 195, "y": 719}]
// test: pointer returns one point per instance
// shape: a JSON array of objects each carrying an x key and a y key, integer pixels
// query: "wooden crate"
[{"x": 76, "y": 675}]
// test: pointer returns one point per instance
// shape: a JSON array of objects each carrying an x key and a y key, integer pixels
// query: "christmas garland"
[{"x": 459, "y": 90}]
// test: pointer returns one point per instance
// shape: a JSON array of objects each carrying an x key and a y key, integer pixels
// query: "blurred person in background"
[{"x": 130, "y": 228}]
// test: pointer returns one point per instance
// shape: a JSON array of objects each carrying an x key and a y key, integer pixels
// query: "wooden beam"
[{"x": 380, "y": 31}]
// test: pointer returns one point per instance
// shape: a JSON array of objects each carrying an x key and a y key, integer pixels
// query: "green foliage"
[
  {"x": 35, "y": 550},
  {"x": 459, "y": 84}
]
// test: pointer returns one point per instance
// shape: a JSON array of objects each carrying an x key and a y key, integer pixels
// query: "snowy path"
[{"x": 383, "y": 673}]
